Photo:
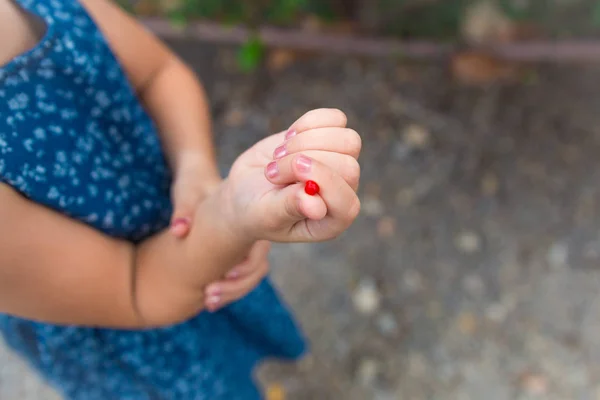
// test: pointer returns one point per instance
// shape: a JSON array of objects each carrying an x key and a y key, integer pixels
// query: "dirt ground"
[{"x": 472, "y": 272}]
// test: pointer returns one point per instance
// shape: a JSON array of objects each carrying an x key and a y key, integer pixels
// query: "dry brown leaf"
[
  {"x": 145, "y": 7},
  {"x": 280, "y": 59},
  {"x": 342, "y": 28},
  {"x": 478, "y": 68},
  {"x": 234, "y": 118},
  {"x": 275, "y": 392},
  {"x": 312, "y": 23}
]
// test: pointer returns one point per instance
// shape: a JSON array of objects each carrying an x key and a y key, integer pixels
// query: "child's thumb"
[{"x": 292, "y": 204}]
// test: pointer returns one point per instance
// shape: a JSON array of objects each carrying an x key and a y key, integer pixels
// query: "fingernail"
[
  {"x": 290, "y": 134},
  {"x": 304, "y": 163},
  {"x": 213, "y": 300},
  {"x": 272, "y": 169},
  {"x": 280, "y": 152},
  {"x": 232, "y": 275},
  {"x": 214, "y": 292},
  {"x": 179, "y": 225},
  {"x": 181, "y": 221}
]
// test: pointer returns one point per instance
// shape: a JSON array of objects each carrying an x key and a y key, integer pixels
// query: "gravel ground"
[{"x": 472, "y": 271}]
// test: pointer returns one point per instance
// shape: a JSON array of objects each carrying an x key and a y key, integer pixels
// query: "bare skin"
[{"x": 57, "y": 270}]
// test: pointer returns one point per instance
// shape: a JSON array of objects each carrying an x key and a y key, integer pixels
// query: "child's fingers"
[
  {"x": 338, "y": 140},
  {"x": 184, "y": 206},
  {"x": 227, "y": 291},
  {"x": 340, "y": 199},
  {"x": 344, "y": 165},
  {"x": 320, "y": 118},
  {"x": 294, "y": 168}
]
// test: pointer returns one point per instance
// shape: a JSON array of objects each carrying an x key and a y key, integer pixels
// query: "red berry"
[{"x": 311, "y": 188}]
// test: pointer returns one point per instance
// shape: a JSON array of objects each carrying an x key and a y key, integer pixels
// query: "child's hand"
[
  {"x": 265, "y": 188},
  {"x": 241, "y": 280},
  {"x": 193, "y": 182}
]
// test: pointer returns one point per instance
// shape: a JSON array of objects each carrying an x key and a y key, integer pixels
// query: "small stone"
[
  {"x": 413, "y": 281},
  {"x": 372, "y": 206},
  {"x": 489, "y": 185},
  {"x": 367, "y": 372},
  {"x": 467, "y": 323},
  {"x": 417, "y": 136},
  {"x": 234, "y": 118},
  {"x": 386, "y": 227},
  {"x": 366, "y": 297},
  {"x": 275, "y": 392},
  {"x": 558, "y": 255},
  {"x": 468, "y": 242},
  {"x": 534, "y": 384},
  {"x": 497, "y": 313},
  {"x": 387, "y": 325}
]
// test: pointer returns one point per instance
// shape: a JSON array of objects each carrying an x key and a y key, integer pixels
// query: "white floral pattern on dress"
[{"x": 74, "y": 137}]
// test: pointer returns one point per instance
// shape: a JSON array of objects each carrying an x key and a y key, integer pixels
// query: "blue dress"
[{"x": 75, "y": 138}]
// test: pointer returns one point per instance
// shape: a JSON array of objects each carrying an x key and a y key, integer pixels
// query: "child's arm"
[
  {"x": 56, "y": 270},
  {"x": 172, "y": 95}
]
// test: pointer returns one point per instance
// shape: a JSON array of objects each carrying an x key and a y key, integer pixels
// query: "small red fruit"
[{"x": 312, "y": 188}]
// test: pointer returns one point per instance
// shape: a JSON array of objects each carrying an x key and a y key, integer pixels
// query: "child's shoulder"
[{"x": 24, "y": 31}]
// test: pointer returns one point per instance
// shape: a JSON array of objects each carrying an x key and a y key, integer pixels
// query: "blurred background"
[{"x": 473, "y": 271}]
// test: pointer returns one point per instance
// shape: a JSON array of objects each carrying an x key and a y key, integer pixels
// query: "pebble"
[
  {"x": 367, "y": 372},
  {"x": 534, "y": 384},
  {"x": 489, "y": 185},
  {"x": 413, "y": 281},
  {"x": 416, "y": 136},
  {"x": 366, "y": 297},
  {"x": 387, "y": 325},
  {"x": 468, "y": 242},
  {"x": 467, "y": 323},
  {"x": 497, "y": 312},
  {"x": 372, "y": 206},
  {"x": 558, "y": 255},
  {"x": 386, "y": 227}
]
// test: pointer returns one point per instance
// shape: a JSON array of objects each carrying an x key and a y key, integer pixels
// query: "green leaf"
[
  {"x": 285, "y": 10},
  {"x": 178, "y": 18},
  {"x": 250, "y": 54}
]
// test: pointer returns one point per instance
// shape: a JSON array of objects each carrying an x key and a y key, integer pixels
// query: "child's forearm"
[
  {"x": 172, "y": 273},
  {"x": 64, "y": 272},
  {"x": 177, "y": 102}
]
